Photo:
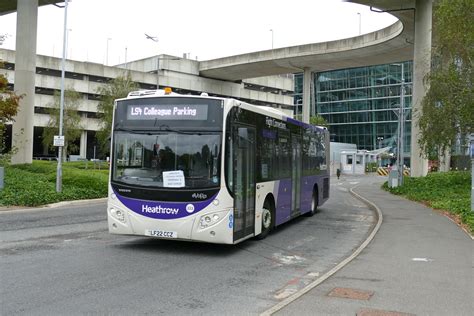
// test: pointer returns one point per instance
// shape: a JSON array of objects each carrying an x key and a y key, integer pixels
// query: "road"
[{"x": 63, "y": 261}]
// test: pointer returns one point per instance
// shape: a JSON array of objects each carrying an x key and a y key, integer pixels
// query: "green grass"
[
  {"x": 447, "y": 191},
  {"x": 35, "y": 184}
]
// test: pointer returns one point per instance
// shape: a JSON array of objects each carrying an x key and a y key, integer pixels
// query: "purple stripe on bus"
[
  {"x": 305, "y": 125},
  {"x": 268, "y": 134},
  {"x": 164, "y": 210},
  {"x": 283, "y": 203}
]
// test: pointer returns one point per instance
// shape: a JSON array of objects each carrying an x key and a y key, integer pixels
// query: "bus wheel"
[
  {"x": 314, "y": 203},
  {"x": 267, "y": 221}
]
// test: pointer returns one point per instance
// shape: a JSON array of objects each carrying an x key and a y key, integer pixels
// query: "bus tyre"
[
  {"x": 314, "y": 203},
  {"x": 267, "y": 222}
]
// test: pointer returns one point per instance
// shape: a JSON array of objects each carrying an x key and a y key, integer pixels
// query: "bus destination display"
[{"x": 167, "y": 112}]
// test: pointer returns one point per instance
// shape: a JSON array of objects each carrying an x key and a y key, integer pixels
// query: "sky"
[{"x": 113, "y": 31}]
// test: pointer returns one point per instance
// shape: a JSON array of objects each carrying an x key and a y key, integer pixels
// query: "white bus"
[{"x": 211, "y": 169}]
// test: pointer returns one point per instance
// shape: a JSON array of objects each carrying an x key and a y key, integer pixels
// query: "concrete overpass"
[
  {"x": 9, "y": 6},
  {"x": 408, "y": 38}
]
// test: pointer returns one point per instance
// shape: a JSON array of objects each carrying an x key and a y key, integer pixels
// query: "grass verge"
[
  {"x": 446, "y": 191},
  {"x": 35, "y": 184}
]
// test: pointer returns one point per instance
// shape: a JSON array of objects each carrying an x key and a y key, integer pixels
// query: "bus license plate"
[{"x": 161, "y": 233}]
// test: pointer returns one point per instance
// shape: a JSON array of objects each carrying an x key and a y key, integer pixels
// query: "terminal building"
[
  {"x": 361, "y": 104},
  {"x": 180, "y": 74}
]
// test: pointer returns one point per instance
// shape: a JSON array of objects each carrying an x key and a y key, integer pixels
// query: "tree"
[
  {"x": 318, "y": 120},
  {"x": 9, "y": 103},
  {"x": 448, "y": 107},
  {"x": 72, "y": 128},
  {"x": 115, "y": 89}
]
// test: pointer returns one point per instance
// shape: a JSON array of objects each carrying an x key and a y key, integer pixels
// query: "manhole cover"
[{"x": 351, "y": 293}]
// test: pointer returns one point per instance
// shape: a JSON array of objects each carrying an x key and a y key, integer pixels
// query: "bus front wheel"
[{"x": 267, "y": 221}]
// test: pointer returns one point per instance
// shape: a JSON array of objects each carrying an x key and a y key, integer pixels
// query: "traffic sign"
[{"x": 58, "y": 141}]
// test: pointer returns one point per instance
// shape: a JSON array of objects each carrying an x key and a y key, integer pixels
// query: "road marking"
[
  {"x": 421, "y": 259},
  {"x": 338, "y": 267},
  {"x": 287, "y": 260},
  {"x": 285, "y": 293}
]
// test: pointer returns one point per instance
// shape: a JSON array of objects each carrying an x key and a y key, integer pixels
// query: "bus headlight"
[
  {"x": 118, "y": 214},
  {"x": 211, "y": 219}
]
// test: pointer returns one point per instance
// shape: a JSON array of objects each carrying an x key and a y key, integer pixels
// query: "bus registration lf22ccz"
[{"x": 211, "y": 169}]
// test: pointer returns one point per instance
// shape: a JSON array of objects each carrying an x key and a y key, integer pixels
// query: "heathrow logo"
[{"x": 159, "y": 210}]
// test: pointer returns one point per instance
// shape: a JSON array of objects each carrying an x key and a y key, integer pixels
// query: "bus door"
[
  {"x": 295, "y": 174},
  {"x": 244, "y": 181}
]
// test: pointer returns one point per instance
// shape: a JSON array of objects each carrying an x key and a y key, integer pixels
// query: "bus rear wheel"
[{"x": 314, "y": 203}]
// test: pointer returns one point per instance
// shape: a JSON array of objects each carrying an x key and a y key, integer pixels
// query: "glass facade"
[{"x": 361, "y": 104}]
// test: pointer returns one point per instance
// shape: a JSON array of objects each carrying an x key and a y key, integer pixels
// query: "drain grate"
[{"x": 354, "y": 294}]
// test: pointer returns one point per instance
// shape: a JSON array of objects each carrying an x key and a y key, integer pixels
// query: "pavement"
[
  {"x": 52, "y": 205},
  {"x": 416, "y": 262}
]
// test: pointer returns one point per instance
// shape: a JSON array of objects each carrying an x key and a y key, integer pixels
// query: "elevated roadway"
[{"x": 391, "y": 44}]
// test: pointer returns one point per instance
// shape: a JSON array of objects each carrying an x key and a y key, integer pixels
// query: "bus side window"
[
  {"x": 284, "y": 158},
  {"x": 306, "y": 162},
  {"x": 229, "y": 162},
  {"x": 266, "y": 146}
]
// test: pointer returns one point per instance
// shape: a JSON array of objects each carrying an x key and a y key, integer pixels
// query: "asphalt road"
[{"x": 63, "y": 261}]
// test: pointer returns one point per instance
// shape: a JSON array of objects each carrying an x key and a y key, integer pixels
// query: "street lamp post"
[
  {"x": 155, "y": 39},
  {"x": 59, "y": 171},
  {"x": 107, "y": 52},
  {"x": 401, "y": 127},
  {"x": 271, "y": 30},
  {"x": 360, "y": 22},
  {"x": 380, "y": 139},
  {"x": 157, "y": 73}
]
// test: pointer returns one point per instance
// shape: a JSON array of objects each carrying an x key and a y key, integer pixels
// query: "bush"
[
  {"x": 449, "y": 191},
  {"x": 35, "y": 184}
]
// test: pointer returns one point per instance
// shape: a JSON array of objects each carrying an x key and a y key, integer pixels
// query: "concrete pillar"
[
  {"x": 25, "y": 73},
  {"x": 306, "y": 94},
  {"x": 421, "y": 67},
  {"x": 83, "y": 145}
]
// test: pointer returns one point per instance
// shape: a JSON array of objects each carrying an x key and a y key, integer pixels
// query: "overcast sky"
[{"x": 205, "y": 29}]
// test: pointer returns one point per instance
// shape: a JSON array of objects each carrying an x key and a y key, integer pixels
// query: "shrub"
[
  {"x": 449, "y": 191},
  {"x": 35, "y": 184}
]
